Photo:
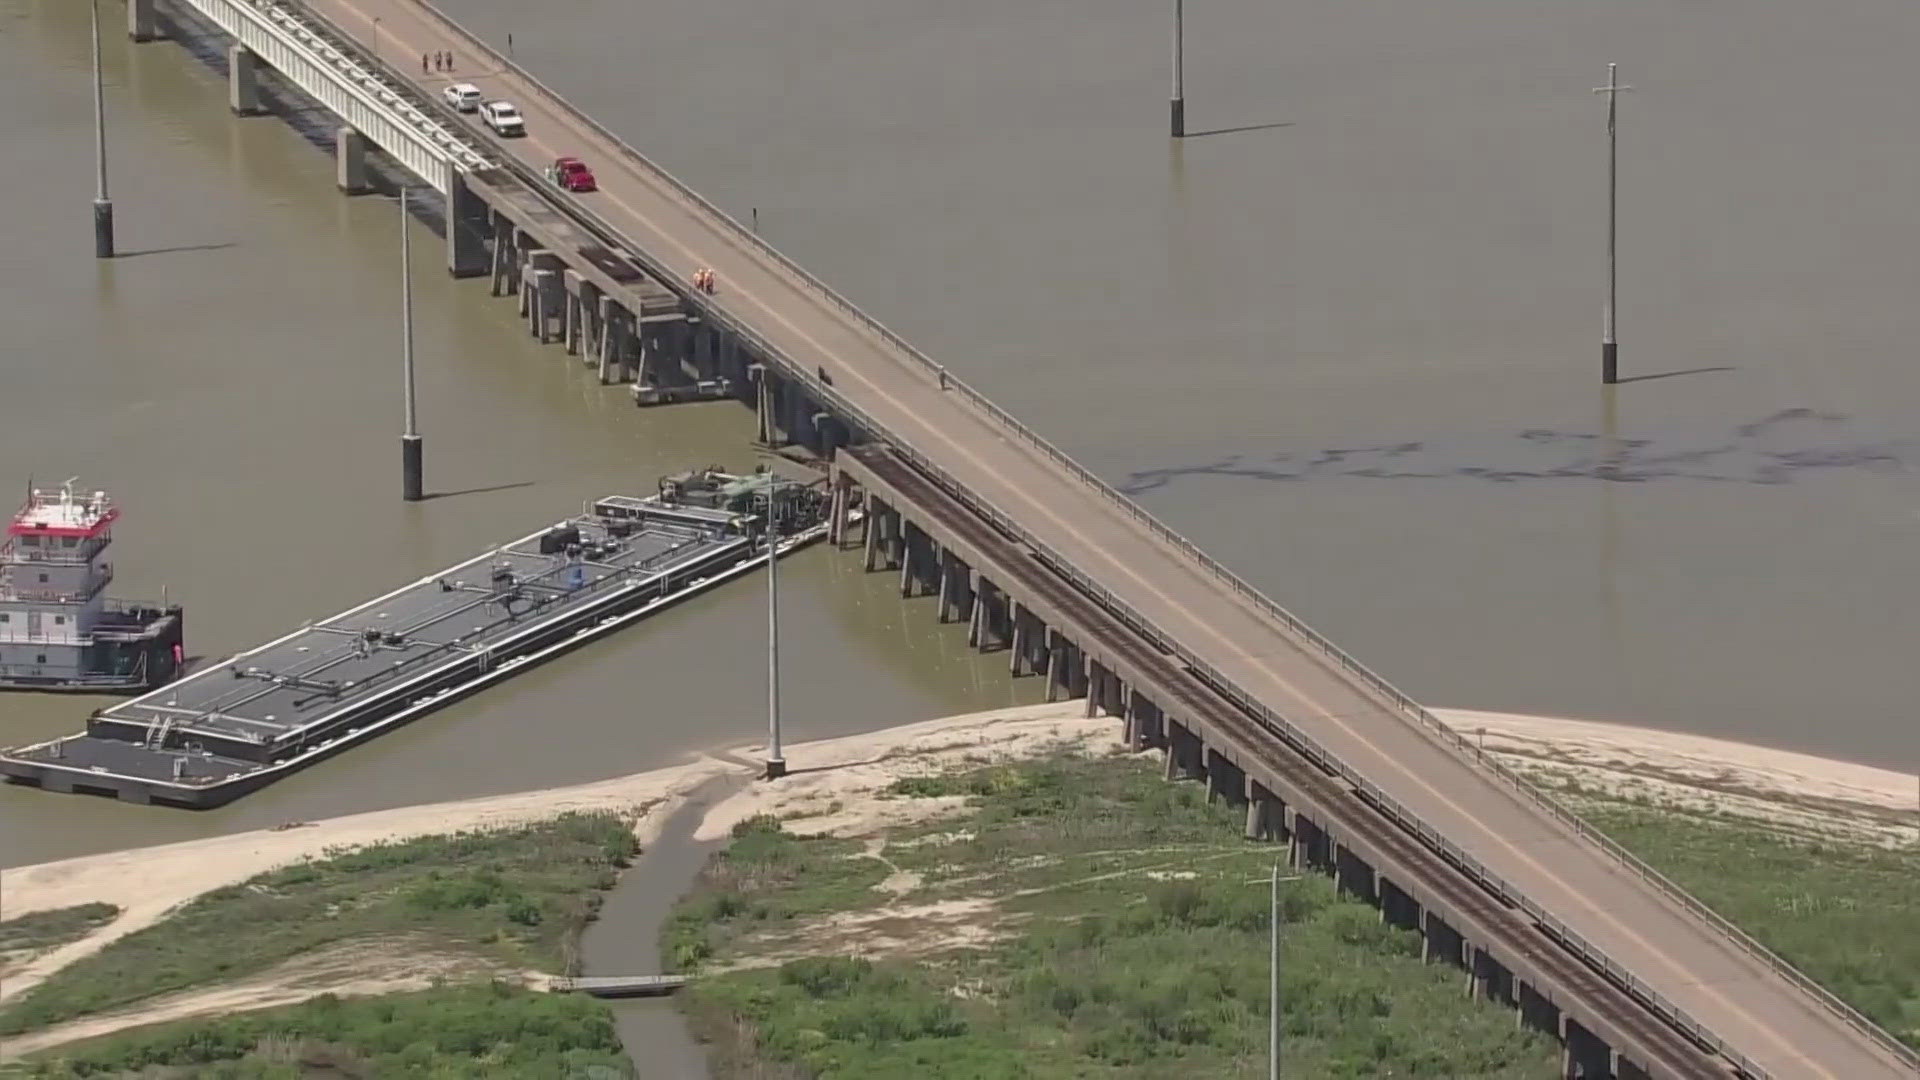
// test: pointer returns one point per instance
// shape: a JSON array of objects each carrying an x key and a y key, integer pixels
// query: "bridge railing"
[
  {"x": 1330, "y": 652},
  {"x": 275, "y": 32}
]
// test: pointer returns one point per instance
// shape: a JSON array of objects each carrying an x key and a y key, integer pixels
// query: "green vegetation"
[
  {"x": 450, "y": 1033},
  {"x": 1843, "y": 913},
  {"x": 1116, "y": 927},
  {"x": 516, "y": 898},
  {"x": 43, "y": 930}
]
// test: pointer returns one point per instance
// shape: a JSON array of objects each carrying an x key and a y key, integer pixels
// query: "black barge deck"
[{"x": 236, "y": 726}]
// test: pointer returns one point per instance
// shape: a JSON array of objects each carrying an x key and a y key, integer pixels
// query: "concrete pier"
[
  {"x": 141, "y": 24},
  {"x": 350, "y": 161},
  {"x": 243, "y": 81}
]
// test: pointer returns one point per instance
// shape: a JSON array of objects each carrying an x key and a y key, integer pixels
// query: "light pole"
[
  {"x": 1609, "y": 345},
  {"x": 776, "y": 761},
  {"x": 102, "y": 206},
  {"x": 410, "y": 484},
  {"x": 1179, "y": 89},
  {"x": 1273, "y": 970}
]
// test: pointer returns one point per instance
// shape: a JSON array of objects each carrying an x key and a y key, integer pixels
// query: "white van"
[
  {"x": 462, "y": 97},
  {"x": 503, "y": 118}
]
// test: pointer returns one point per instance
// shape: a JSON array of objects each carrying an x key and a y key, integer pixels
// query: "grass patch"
[
  {"x": 1132, "y": 924},
  {"x": 517, "y": 896},
  {"x": 1843, "y": 913},
  {"x": 43, "y": 930},
  {"x": 453, "y": 1032}
]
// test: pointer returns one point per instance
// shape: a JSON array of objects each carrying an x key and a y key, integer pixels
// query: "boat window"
[
  {"x": 4, "y": 617},
  {"x": 30, "y": 541},
  {"x": 40, "y": 659},
  {"x": 59, "y": 620},
  {"x": 67, "y": 541}
]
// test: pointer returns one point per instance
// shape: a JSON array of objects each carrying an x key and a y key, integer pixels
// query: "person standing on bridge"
[{"x": 424, "y": 63}]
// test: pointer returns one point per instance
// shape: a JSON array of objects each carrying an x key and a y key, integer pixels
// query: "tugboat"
[{"x": 58, "y": 628}]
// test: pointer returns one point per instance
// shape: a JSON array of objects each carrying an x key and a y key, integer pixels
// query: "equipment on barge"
[
  {"x": 234, "y": 726},
  {"x": 58, "y": 628}
]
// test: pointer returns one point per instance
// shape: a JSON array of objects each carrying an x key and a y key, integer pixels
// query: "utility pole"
[
  {"x": 410, "y": 485},
  {"x": 1273, "y": 1006},
  {"x": 1179, "y": 87},
  {"x": 102, "y": 206},
  {"x": 776, "y": 761},
  {"x": 1609, "y": 344}
]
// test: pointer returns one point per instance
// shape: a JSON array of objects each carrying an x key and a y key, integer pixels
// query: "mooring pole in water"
[
  {"x": 1179, "y": 83},
  {"x": 410, "y": 482},
  {"x": 1609, "y": 345},
  {"x": 776, "y": 761},
  {"x": 102, "y": 206}
]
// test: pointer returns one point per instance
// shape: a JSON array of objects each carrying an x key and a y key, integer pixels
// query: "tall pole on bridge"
[
  {"x": 776, "y": 761},
  {"x": 1609, "y": 344},
  {"x": 1179, "y": 81},
  {"x": 102, "y": 206},
  {"x": 410, "y": 482}
]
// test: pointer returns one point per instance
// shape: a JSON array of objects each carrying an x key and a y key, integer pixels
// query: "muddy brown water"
[{"x": 1350, "y": 350}]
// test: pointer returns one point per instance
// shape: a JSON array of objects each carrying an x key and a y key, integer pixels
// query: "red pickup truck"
[{"x": 572, "y": 174}]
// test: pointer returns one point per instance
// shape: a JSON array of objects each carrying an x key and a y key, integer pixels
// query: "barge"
[
  {"x": 236, "y": 726},
  {"x": 59, "y": 630}
]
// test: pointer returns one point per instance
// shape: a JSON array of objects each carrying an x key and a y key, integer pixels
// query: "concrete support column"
[
  {"x": 141, "y": 25},
  {"x": 468, "y": 221},
  {"x": 837, "y": 510},
  {"x": 546, "y": 286},
  {"x": 349, "y": 159},
  {"x": 1018, "y": 638},
  {"x": 609, "y": 316},
  {"x": 1264, "y": 812},
  {"x": 867, "y": 526},
  {"x": 977, "y": 616},
  {"x": 1056, "y": 664},
  {"x": 908, "y": 556},
  {"x": 947, "y": 601},
  {"x": 573, "y": 325},
  {"x": 243, "y": 81},
  {"x": 767, "y": 432},
  {"x": 505, "y": 258},
  {"x": 1587, "y": 1055}
]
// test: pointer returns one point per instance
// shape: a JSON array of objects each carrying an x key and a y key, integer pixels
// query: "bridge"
[
  {"x": 1079, "y": 585},
  {"x": 617, "y": 986}
]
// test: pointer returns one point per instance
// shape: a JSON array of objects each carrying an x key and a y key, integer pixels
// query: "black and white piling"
[
  {"x": 1179, "y": 101},
  {"x": 102, "y": 205},
  {"x": 1609, "y": 344},
  {"x": 410, "y": 457}
]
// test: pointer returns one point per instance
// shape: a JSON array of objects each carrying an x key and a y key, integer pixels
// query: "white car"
[
  {"x": 503, "y": 118},
  {"x": 463, "y": 97}
]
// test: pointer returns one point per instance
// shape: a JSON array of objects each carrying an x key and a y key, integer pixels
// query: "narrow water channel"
[{"x": 625, "y": 940}]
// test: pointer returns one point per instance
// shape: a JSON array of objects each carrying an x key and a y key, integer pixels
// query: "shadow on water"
[
  {"x": 476, "y": 490},
  {"x": 175, "y": 250},
  {"x": 625, "y": 939},
  {"x": 1237, "y": 130},
  {"x": 1675, "y": 374}
]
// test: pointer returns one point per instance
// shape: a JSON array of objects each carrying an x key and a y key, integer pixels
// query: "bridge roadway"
[{"x": 1741, "y": 1000}]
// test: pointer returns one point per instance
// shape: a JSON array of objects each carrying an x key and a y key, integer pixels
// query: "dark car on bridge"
[{"x": 572, "y": 174}]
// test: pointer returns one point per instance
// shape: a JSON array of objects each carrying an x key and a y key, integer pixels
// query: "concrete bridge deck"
[{"x": 1776, "y": 1025}]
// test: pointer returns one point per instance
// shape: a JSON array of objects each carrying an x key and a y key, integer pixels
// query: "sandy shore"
[
  {"x": 146, "y": 883},
  {"x": 838, "y": 786},
  {"x": 1781, "y": 788}
]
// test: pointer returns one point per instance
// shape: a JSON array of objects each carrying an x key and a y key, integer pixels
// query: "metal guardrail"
[
  {"x": 1330, "y": 652},
  {"x": 275, "y": 33}
]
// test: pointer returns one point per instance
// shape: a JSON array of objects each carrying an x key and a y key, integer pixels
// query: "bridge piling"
[
  {"x": 570, "y": 311},
  {"x": 350, "y": 161},
  {"x": 141, "y": 25},
  {"x": 243, "y": 81},
  {"x": 469, "y": 221}
]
